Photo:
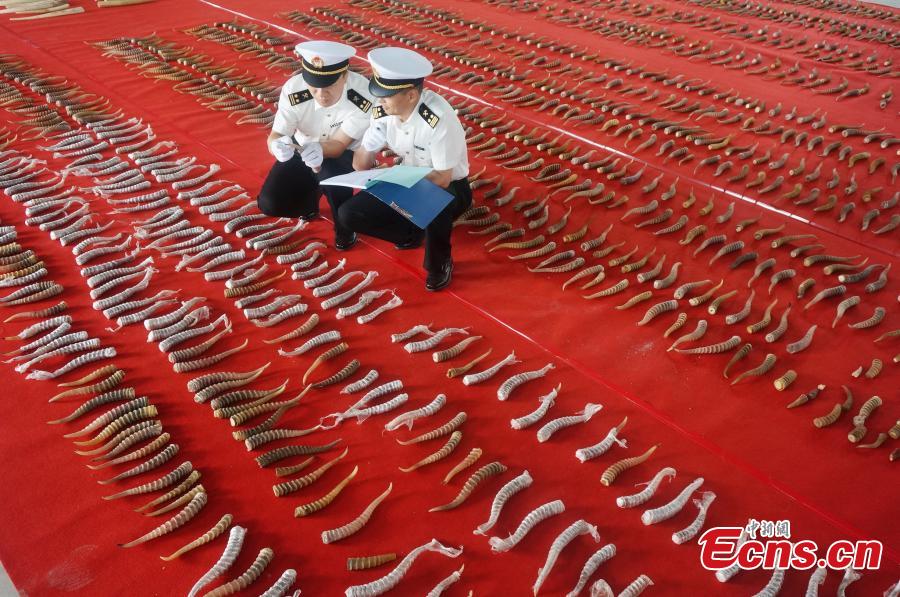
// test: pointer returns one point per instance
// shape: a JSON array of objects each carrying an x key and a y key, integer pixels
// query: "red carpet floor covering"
[{"x": 707, "y": 136}]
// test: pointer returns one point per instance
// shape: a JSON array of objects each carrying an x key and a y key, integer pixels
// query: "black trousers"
[
  {"x": 365, "y": 214},
  {"x": 291, "y": 189}
]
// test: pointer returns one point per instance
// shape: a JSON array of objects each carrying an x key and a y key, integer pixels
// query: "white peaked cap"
[
  {"x": 324, "y": 53},
  {"x": 399, "y": 63}
]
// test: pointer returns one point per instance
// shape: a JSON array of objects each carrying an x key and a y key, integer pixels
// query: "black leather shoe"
[
  {"x": 439, "y": 279},
  {"x": 345, "y": 243},
  {"x": 410, "y": 244}
]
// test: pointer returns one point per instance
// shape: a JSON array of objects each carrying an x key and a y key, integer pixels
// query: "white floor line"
[{"x": 7, "y": 589}]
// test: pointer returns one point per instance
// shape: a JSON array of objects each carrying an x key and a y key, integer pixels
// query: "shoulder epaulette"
[
  {"x": 299, "y": 97},
  {"x": 358, "y": 100},
  {"x": 428, "y": 116},
  {"x": 378, "y": 112}
]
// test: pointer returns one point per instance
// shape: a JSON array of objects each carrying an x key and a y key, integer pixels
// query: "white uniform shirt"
[
  {"x": 300, "y": 116},
  {"x": 432, "y": 136}
]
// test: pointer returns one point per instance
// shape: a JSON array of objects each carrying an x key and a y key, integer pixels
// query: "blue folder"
[{"x": 420, "y": 203}]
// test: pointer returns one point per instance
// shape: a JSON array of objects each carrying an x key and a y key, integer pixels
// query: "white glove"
[
  {"x": 374, "y": 138},
  {"x": 282, "y": 148},
  {"x": 312, "y": 155}
]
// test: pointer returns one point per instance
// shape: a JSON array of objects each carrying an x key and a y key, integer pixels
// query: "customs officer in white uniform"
[
  {"x": 322, "y": 115},
  {"x": 422, "y": 129}
]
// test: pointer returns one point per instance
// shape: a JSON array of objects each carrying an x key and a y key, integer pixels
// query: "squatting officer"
[
  {"x": 422, "y": 129},
  {"x": 322, "y": 114}
]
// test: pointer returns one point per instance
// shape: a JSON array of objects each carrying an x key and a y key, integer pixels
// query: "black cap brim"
[
  {"x": 396, "y": 86},
  {"x": 320, "y": 80},
  {"x": 378, "y": 91},
  {"x": 319, "y": 76}
]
